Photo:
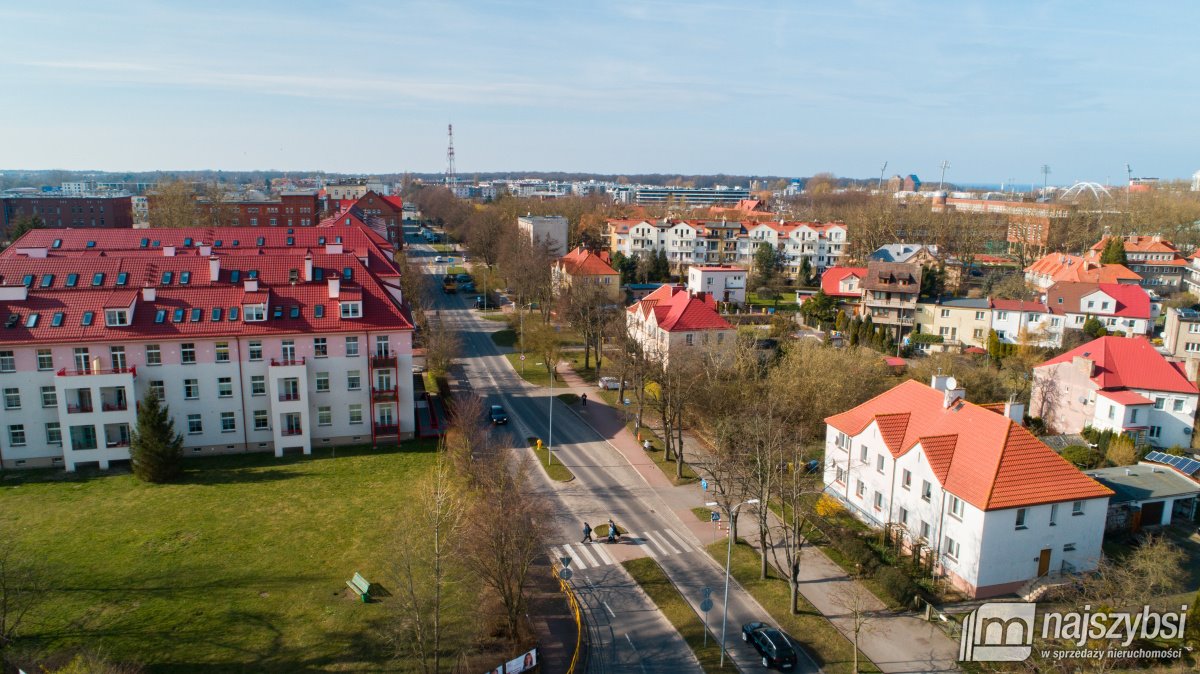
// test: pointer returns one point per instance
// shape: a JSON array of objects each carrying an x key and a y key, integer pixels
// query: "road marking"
[
  {"x": 649, "y": 549},
  {"x": 583, "y": 552},
  {"x": 679, "y": 539},
  {"x": 610, "y": 611},
  {"x": 558, "y": 554},
  {"x": 666, "y": 548},
  {"x": 603, "y": 555}
]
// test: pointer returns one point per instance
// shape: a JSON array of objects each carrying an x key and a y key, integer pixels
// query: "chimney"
[
  {"x": 251, "y": 285},
  {"x": 205, "y": 250},
  {"x": 214, "y": 268},
  {"x": 335, "y": 287},
  {"x": 952, "y": 396},
  {"x": 333, "y": 249},
  {"x": 168, "y": 251},
  {"x": 940, "y": 382},
  {"x": 1015, "y": 411},
  {"x": 1085, "y": 365},
  {"x": 308, "y": 267},
  {"x": 148, "y": 294},
  {"x": 1191, "y": 368}
]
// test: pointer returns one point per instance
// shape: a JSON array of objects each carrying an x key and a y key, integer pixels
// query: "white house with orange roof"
[
  {"x": 967, "y": 484},
  {"x": 1055, "y": 267},
  {"x": 1119, "y": 384},
  {"x": 671, "y": 318},
  {"x": 1156, "y": 260}
]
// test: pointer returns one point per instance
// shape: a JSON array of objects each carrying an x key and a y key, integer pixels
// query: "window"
[
  {"x": 228, "y": 422},
  {"x": 49, "y": 397},
  {"x": 924, "y": 530},
  {"x": 160, "y": 316},
  {"x": 166, "y": 278},
  {"x": 945, "y": 313},
  {"x": 351, "y": 346},
  {"x": 1177, "y": 405},
  {"x": 1053, "y": 514},
  {"x": 690, "y": 339},
  {"x": 216, "y": 314},
  {"x": 1068, "y": 547},
  {"x": 859, "y": 488},
  {"x": 906, "y": 479},
  {"x": 842, "y": 441},
  {"x": 194, "y": 425},
  {"x": 1160, "y": 403},
  {"x": 73, "y": 280},
  {"x": 47, "y": 280},
  {"x": 53, "y": 433},
  {"x": 233, "y": 313},
  {"x": 354, "y": 310},
  {"x": 879, "y": 464},
  {"x": 1002, "y": 315},
  {"x": 98, "y": 279},
  {"x": 841, "y": 475},
  {"x": 255, "y": 348},
  {"x": 979, "y": 315},
  {"x": 1112, "y": 411},
  {"x": 353, "y": 380},
  {"x": 262, "y": 420},
  {"x": 324, "y": 416},
  {"x": 177, "y": 316},
  {"x": 322, "y": 382},
  {"x": 153, "y": 354},
  {"x": 88, "y": 317},
  {"x": 16, "y": 435},
  {"x": 116, "y": 318},
  {"x": 255, "y": 313},
  {"x": 187, "y": 353},
  {"x": 8, "y": 363},
  {"x": 222, "y": 350},
  {"x": 122, "y": 278},
  {"x": 1076, "y": 508},
  {"x": 258, "y": 385},
  {"x": 356, "y": 415},
  {"x": 903, "y": 515},
  {"x": 926, "y": 491},
  {"x": 977, "y": 333},
  {"x": 1133, "y": 415},
  {"x": 225, "y": 387},
  {"x": 952, "y": 548},
  {"x": 185, "y": 277},
  {"x": 319, "y": 309},
  {"x": 878, "y": 501},
  {"x": 45, "y": 360},
  {"x": 191, "y": 389},
  {"x": 956, "y": 507},
  {"x": 320, "y": 347},
  {"x": 862, "y": 454},
  {"x": 1155, "y": 431},
  {"x": 158, "y": 389},
  {"x": 12, "y": 398},
  {"x": 1021, "y": 513}
]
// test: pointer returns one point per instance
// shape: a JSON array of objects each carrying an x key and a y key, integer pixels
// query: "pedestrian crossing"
[{"x": 654, "y": 544}]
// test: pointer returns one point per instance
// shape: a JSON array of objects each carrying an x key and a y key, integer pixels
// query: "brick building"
[{"x": 68, "y": 211}]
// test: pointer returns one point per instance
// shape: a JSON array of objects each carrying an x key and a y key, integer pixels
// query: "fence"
[{"x": 574, "y": 602}]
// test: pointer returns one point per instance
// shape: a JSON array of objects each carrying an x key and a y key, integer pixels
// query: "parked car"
[
  {"x": 464, "y": 278},
  {"x": 498, "y": 415},
  {"x": 439, "y": 260},
  {"x": 609, "y": 383},
  {"x": 775, "y": 648}
]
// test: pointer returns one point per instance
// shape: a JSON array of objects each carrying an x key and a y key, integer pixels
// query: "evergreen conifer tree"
[{"x": 156, "y": 450}]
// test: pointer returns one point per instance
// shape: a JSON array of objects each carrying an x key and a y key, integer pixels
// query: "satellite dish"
[{"x": 951, "y": 384}]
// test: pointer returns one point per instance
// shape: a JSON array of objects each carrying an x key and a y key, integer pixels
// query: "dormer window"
[
  {"x": 185, "y": 277},
  {"x": 116, "y": 318},
  {"x": 255, "y": 313},
  {"x": 351, "y": 309},
  {"x": 98, "y": 279}
]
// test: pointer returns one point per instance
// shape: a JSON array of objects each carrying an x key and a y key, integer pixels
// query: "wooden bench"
[{"x": 360, "y": 586}]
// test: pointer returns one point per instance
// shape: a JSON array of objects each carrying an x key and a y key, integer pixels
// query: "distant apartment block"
[
  {"x": 1158, "y": 262},
  {"x": 550, "y": 230},
  {"x": 60, "y": 210},
  {"x": 1033, "y": 225},
  {"x": 288, "y": 209},
  {"x": 689, "y": 197}
]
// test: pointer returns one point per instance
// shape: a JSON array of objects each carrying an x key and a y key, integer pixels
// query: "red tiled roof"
[
  {"x": 720, "y": 268},
  {"x": 1130, "y": 301},
  {"x": 1063, "y": 267},
  {"x": 1018, "y": 305},
  {"x": 1126, "y": 397},
  {"x": 980, "y": 456},
  {"x": 1140, "y": 244},
  {"x": 1129, "y": 362},
  {"x": 832, "y": 279},
  {"x": 583, "y": 262},
  {"x": 677, "y": 311}
]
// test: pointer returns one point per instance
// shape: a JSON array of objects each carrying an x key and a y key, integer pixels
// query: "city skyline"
[{"x": 658, "y": 87}]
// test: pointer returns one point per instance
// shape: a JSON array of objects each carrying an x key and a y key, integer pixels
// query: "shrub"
[
  {"x": 897, "y": 585},
  {"x": 858, "y": 553},
  {"x": 829, "y": 507},
  {"x": 1083, "y": 457}
]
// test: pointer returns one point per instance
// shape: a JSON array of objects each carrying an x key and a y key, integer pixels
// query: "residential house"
[
  {"x": 843, "y": 283},
  {"x": 583, "y": 268},
  {"x": 1158, "y": 262},
  {"x": 961, "y": 323},
  {"x": 1119, "y": 384},
  {"x": 824, "y": 245},
  {"x": 1181, "y": 333},
  {"x": 965, "y": 486},
  {"x": 724, "y": 283},
  {"x": 1119, "y": 307},
  {"x": 671, "y": 318},
  {"x": 1056, "y": 267},
  {"x": 1024, "y": 322},
  {"x": 890, "y": 293}
]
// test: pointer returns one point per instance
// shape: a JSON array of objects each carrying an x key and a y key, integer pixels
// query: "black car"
[
  {"x": 498, "y": 415},
  {"x": 775, "y": 648}
]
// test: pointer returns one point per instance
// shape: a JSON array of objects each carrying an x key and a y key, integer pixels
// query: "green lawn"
[
  {"x": 239, "y": 567},
  {"x": 493, "y": 315},
  {"x": 832, "y": 651},
  {"x": 786, "y": 302},
  {"x": 659, "y": 454},
  {"x": 505, "y": 337},
  {"x": 655, "y": 583},
  {"x": 575, "y": 358},
  {"x": 703, "y": 514},
  {"x": 533, "y": 371},
  {"x": 554, "y": 468},
  {"x": 442, "y": 247}
]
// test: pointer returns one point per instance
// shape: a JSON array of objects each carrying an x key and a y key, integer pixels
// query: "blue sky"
[{"x": 786, "y": 88}]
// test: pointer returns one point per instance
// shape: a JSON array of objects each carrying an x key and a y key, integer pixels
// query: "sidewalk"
[{"x": 894, "y": 642}]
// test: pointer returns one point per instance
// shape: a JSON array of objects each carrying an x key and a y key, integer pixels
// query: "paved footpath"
[{"x": 895, "y": 642}]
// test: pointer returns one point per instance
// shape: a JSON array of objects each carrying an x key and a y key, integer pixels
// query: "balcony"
[
  {"x": 114, "y": 407},
  {"x": 285, "y": 363},
  {"x": 909, "y": 303},
  {"x": 81, "y": 408},
  {"x": 116, "y": 443},
  {"x": 285, "y": 397},
  {"x": 292, "y": 431},
  {"x": 387, "y": 429},
  {"x": 386, "y": 360},
  {"x": 383, "y": 394},
  {"x": 65, "y": 372}
]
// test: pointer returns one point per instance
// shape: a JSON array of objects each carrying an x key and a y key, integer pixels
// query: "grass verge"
[
  {"x": 659, "y": 455},
  {"x": 655, "y": 583},
  {"x": 555, "y": 470},
  {"x": 241, "y": 565},
  {"x": 832, "y": 651},
  {"x": 532, "y": 371},
  {"x": 575, "y": 358},
  {"x": 494, "y": 315},
  {"x": 703, "y": 514},
  {"x": 505, "y": 337}
]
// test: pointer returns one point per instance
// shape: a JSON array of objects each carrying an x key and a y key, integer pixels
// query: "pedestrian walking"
[
  {"x": 587, "y": 533},
  {"x": 583, "y": 400},
  {"x": 612, "y": 531}
]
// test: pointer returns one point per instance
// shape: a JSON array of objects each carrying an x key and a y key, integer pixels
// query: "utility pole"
[
  {"x": 945, "y": 165},
  {"x": 1045, "y": 180},
  {"x": 1128, "y": 191},
  {"x": 881, "y": 171}
]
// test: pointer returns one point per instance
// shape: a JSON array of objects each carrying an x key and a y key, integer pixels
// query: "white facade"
[
  {"x": 548, "y": 229},
  {"x": 1040, "y": 327},
  {"x": 726, "y": 284}
]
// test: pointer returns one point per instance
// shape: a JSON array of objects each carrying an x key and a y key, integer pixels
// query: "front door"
[{"x": 1044, "y": 563}]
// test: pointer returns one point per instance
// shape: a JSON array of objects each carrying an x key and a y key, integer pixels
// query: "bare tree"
[
  {"x": 441, "y": 346},
  {"x": 216, "y": 199},
  {"x": 587, "y": 309},
  {"x": 858, "y": 606},
  {"x": 173, "y": 204}
]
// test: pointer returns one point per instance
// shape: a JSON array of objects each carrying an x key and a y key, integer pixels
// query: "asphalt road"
[{"x": 627, "y": 632}]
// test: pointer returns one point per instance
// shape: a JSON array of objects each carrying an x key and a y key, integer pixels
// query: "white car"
[
  {"x": 609, "y": 383},
  {"x": 439, "y": 260}
]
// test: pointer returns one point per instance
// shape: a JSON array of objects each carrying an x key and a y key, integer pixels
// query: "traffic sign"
[
  {"x": 707, "y": 592},
  {"x": 566, "y": 574},
  {"x": 522, "y": 356},
  {"x": 704, "y": 484},
  {"x": 566, "y": 561},
  {"x": 716, "y": 516},
  {"x": 705, "y": 605}
]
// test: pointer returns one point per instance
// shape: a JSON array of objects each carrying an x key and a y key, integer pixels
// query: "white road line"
[
  {"x": 666, "y": 547},
  {"x": 603, "y": 555},
  {"x": 649, "y": 549},
  {"x": 684, "y": 545},
  {"x": 586, "y": 554},
  {"x": 610, "y": 611}
]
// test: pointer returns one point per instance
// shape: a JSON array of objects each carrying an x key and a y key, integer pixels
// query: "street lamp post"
[{"x": 728, "y": 559}]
